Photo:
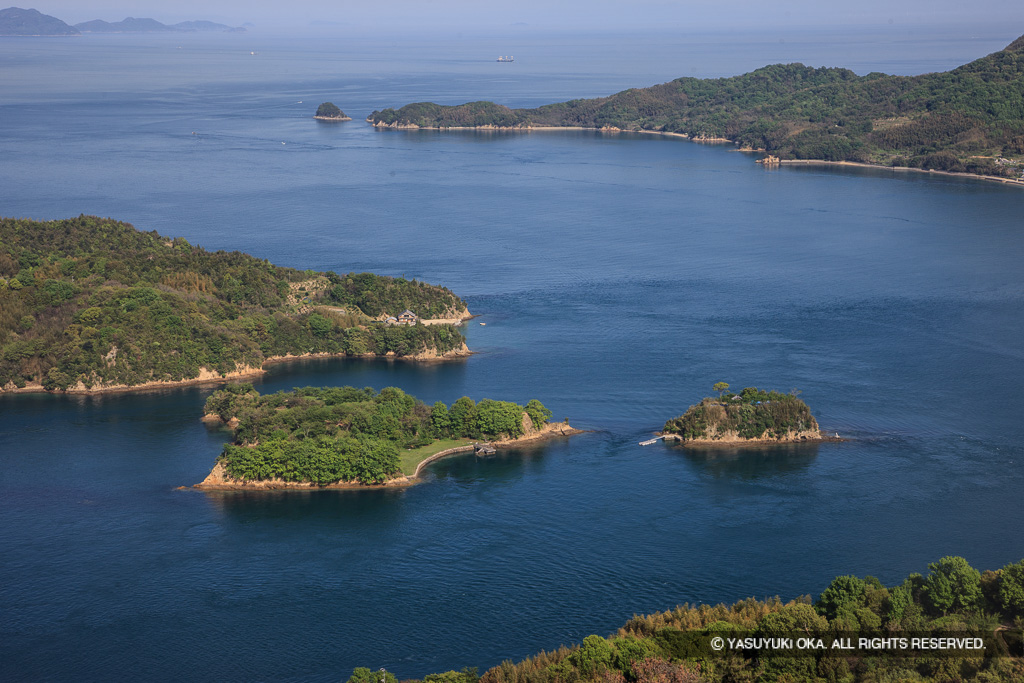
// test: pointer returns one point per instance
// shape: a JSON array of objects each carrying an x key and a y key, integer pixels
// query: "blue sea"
[{"x": 619, "y": 277}]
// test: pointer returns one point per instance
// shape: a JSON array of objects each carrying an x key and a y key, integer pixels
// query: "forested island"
[
  {"x": 92, "y": 304},
  {"x": 15, "y": 21},
  {"x": 926, "y": 629},
  {"x": 970, "y": 119},
  {"x": 750, "y": 416},
  {"x": 339, "y": 437},
  {"x": 328, "y": 111}
]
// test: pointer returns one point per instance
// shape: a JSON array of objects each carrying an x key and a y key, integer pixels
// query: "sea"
[{"x": 616, "y": 278}]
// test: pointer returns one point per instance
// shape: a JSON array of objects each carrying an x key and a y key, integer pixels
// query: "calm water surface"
[{"x": 619, "y": 277}]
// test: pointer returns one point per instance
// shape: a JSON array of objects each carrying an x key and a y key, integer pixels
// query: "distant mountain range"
[
  {"x": 133, "y": 25},
  {"x": 15, "y": 21}
]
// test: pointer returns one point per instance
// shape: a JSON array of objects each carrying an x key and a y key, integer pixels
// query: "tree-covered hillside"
[
  {"x": 950, "y": 611},
  {"x": 96, "y": 301},
  {"x": 969, "y": 119}
]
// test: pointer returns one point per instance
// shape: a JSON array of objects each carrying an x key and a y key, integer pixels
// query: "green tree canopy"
[
  {"x": 329, "y": 110},
  {"x": 952, "y": 584}
]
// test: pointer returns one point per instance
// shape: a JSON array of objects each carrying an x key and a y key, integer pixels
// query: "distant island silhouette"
[{"x": 15, "y": 21}]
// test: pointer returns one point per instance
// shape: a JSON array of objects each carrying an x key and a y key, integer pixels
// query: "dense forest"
[
  {"x": 88, "y": 302},
  {"x": 970, "y": 119},
  {"x": 749, "y": 414},
  {"x": 953, "y": 600},
  {"x": 327, "y": 435}
]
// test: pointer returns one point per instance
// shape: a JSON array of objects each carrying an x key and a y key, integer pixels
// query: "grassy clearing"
[{"x": 411, "y": 458}]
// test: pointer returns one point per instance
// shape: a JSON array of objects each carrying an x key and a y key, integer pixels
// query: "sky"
[{"x": 550, "y": 14}]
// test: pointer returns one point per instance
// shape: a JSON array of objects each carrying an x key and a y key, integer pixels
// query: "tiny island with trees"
[
  {"x": 750, "y": 416},
  {"x": 328, "y": 111},
  {"x": 342, "y": 437},
  {"x": 91, "y": 304},
  {"x": 968, "y": 120}
]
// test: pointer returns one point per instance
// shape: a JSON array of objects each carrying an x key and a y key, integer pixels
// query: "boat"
[{"x": 510, "y": 58}]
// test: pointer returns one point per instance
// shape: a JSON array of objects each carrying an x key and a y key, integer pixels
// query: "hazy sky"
[{"x": 551, "y": 14}]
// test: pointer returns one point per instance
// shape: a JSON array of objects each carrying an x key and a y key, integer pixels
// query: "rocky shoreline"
[
  {"x": 903, "y": 169},
  {"x": 695, "y": 138},
  {"x": 220, "y": 480},
  {"x": 208, "y": 376},
  {"x": 732, "y": 439}
]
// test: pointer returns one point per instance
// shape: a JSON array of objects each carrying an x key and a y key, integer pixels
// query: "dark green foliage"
[
  {"x": 1011, "y": 589},
  {"x": 95, "y": 301},
  {"x": 233, "y": 399},
  {"x": 440, "y": 421},
  {"x": 539, "y": 415},
  {"x": 326, "y": 435},
  {"x": 845, "y": 593},
  {"x": 329, "y": 110},
  {"x": 799, "y": 112},
  {"x": 952, "y": 584},
  {"x": 467, "y": 675},
  {"x": 462, "y": 416},
  {"x": 751, "y": 414},
  {"x": 320, "y": 460},
  {"x": 428, "y": 114},
  {"x": 375, "y": 294},
  {"x": 593, "y": 657},
  {"x": 499, "y": 417}
]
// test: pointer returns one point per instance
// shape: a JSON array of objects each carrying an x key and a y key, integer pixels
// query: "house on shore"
[{"x": 406, "y": 317}]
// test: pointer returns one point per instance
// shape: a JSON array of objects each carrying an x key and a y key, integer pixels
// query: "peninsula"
[
  {"x": 343, "y": 437},
  {"x": 954, "y": 623},
  {"x": 968, "y": 120},
  {"x": 328, "y": 111},
  {"x": 751, "y": 416},
  {"x": 90, "y": 304}
]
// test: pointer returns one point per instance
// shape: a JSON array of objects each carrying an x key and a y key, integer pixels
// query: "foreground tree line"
[
  {"x": 970, "y": 119},
  {"x": 344, "y": 434},
  {"x": 95, "y": 301},
  {"x": 953, "y": 599}
]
